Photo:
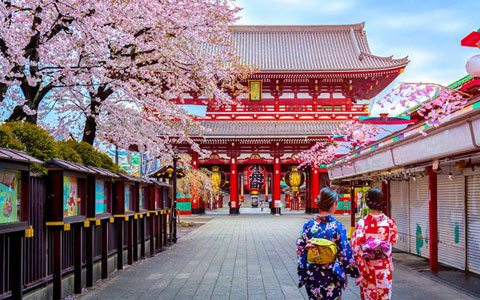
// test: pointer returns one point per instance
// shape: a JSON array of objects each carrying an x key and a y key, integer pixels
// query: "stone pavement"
[{"x": 241, "y": 257}]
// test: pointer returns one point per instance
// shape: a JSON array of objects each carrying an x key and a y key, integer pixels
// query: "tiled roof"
[
  {"x": 68, "y": 165},
  {"x": 14, "y": 155},
  {"x": 309, "y": 48},
  {"x": 259, "y": 129}
]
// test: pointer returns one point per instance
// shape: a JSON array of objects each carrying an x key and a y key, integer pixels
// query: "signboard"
[
  {"x": 100, "y": 198},
  {"x": 71, "y": 201},
  {"x": 9, "y": 195},
  {"x": 255, "y": 90},
  {"x": 278, "y": 203}
]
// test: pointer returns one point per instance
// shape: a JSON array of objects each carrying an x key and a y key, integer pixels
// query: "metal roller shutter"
[
  {"x": 473, "y": 223},
  {"x": 451, "y": 220},
  {"x": 400, "y": 212},
  {"x": 418, "y": 207}
]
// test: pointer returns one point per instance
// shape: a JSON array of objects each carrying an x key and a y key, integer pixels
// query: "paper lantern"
[
  {"x": 255, "y": 178},
  {"x": 294, "y": 179},
  {"x": 473, "y": 66}
]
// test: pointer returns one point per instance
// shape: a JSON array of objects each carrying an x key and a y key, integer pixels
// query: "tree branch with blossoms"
[
  {"x": 350, "y": 136},
  {"x": 432, "y": 101}
]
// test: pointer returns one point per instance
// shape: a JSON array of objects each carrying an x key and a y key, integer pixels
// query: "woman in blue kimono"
[{"x": 325, "y": 281}]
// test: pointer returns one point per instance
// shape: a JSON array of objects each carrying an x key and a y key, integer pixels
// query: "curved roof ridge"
[
  {"x": 296, "y": 28},
  {"x": 403, "y": 60}
]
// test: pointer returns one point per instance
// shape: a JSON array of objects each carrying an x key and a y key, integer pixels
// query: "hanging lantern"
[
  {"x": 255, "y": 178},
  {"x": 358, "y": 135},
  {"x": 294, "y": 179},
  {"x": 473, "y": 66},
  {"x": 218, "y": 177}
]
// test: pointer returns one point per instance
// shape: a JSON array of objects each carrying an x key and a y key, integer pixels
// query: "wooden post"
[
  {"x": 135, "y": 239},
  {"x": 165, "y": 233},
  {"x": 16, "y": 264},
  {"x": 234, "y": 205},
  {"x": 151, "y": 226},
  {"x": 142, "y": 236},
  {"x": 158, "y": 240},
  {"x": 57, "y": 263},
  {"x": 352, "y": 206},
  {"x": 89, "y": 254},
  {"x": 77, "y": 258},
  {"x": 105, "y": 224},
  {"x": 119, "y": 224},
  {"x": 433, "y": 220},
  {"x": 90, "y": 203},
  {"x": 130, "y": 240}
]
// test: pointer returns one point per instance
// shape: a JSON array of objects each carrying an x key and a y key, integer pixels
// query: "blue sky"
[{"x": 429, "y": 32}]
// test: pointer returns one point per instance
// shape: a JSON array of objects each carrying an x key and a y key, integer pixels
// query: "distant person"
[
  {"x": 372, "y": 244},
  {"x": 324, "y": 254}
]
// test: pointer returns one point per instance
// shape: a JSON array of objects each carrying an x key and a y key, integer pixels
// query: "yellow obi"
[{"x": 323, "y": 252}]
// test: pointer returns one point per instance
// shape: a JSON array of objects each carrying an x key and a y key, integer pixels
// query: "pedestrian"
[
  {"x": 324, "y": 254},
  {"x": 372, "y": 243}
]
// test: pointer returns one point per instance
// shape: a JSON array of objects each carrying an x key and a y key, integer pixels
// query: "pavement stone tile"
[{"x": 249, "y": 257}]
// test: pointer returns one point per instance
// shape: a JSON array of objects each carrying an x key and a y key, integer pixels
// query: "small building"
[{"x": 431, "y": 183}]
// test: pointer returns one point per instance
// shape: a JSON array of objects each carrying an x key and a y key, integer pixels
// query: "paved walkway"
[{"x": 240, "y": 257}]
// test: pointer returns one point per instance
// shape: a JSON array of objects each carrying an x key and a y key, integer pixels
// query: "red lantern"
[{"x": 255, "y": 178}]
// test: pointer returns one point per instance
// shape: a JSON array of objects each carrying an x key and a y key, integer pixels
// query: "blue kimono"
[{"x": 325, "y": 281}]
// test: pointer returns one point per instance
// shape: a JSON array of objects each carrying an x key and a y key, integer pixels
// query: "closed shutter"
[
  {"x": 419, "y": 225},
  {"x": 400, "y": 212},
  {"x": 473, "y": 223},
  {"x": 451, "y": 220}
]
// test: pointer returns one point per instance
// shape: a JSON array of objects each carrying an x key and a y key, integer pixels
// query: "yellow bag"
[{"x": 323, "y": 252}]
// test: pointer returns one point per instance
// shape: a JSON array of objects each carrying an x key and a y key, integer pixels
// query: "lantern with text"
[
  {"x": 255, "y": 176},
  {"x": 218, "y": 177},
  {"x": 294, "y": 179}
]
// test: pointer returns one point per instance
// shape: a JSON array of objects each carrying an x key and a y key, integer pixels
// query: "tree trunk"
[
  {"x": 90, "y": 130},
  {"x": 19, "y": 115}
]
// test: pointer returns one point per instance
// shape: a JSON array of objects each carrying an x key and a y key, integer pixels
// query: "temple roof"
[
  {"x": 328, "y": 48},
  {"x": 269, "y": 129}
]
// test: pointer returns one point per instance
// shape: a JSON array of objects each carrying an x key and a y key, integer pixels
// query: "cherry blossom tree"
[{"x": 118, "y": 65}]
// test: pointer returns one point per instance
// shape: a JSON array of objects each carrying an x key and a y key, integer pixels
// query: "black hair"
[
  {"x": 374, "y": 199},
  {"x": 326, "y": 199}
]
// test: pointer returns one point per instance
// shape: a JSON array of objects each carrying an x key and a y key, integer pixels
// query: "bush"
[
  {"x": 8, "y": 140},
  {"x": 38, "y": 143},
  {"x": 65, "y": 151}
]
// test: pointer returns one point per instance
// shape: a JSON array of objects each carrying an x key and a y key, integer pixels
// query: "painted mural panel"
[
  {"x": 100, "y": 197},
  {"x": 9, "y": 196},
  {"x": 71, "y": 199},
  {"x": 128, "y": 198}
]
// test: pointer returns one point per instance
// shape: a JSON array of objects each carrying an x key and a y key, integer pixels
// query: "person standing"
[
  {"x": 324, "y": 254},
  {"x": 372, "y": 243}
]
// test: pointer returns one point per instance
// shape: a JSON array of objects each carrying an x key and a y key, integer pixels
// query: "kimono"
[
  {"x": 375, "y": 275},
  {"x": 325, "y": 281}
]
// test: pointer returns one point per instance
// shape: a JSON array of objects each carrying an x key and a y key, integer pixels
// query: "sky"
[{"x": 428, "y": 32}]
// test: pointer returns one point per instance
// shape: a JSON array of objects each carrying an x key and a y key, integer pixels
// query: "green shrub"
[
  {"x": 8, "y": 140},
  {"x": 65, "y": 151},
  {"x": 38, "y": 143}
]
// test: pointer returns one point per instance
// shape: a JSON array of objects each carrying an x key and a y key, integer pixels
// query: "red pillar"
[
  {"x": 234, "y": 205},
  {"x": 315, "y": 188},
  {"x": 195, "y": 198},
  {"x": 352, "y": 207},
  {"x": 433, "y": 230},
  {"x": 276, "y": 187},
  {"x": 386, "y": 197}
]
